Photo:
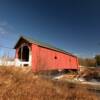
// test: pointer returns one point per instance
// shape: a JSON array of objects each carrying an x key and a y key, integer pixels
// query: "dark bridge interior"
[{"x": 23, "y": 53}]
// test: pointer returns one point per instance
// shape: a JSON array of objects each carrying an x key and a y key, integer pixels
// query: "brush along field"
[{"x": 23, "y": 84}]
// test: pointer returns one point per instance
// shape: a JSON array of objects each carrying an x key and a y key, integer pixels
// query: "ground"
[{"x": 23, "y": 84}]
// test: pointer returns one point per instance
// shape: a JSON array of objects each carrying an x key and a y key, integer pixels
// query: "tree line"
[{"x": 90, "y": 62}]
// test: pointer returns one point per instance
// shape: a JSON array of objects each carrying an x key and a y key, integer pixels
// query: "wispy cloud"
[
  {"x": 3, "y": 23},
  {"x": 5, "y": 28},
  {"x": 3, "y": 31}
]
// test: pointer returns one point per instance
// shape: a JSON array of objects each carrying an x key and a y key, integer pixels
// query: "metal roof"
[{"x": 42, "y": 44}]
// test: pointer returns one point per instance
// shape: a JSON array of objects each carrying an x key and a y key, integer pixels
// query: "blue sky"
[{"x": 72, "y": 25}]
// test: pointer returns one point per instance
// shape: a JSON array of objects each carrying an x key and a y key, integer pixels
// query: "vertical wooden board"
[
  {"x": 16, "y": 53},
  {"x": 55, "y": 60},
  {"x": 63, "y": 61},
  {"x": 73, "y": 63},
  {"x": 47, "y": 57},
  {"x": 60, "y": 62},
  {"x": 35, "y": 51}
]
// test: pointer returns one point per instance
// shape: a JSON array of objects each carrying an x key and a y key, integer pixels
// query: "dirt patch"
[{"x": 90, "y": 74}]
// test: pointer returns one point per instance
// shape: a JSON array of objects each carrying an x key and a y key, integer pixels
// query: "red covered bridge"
[{"x": 42, "y": 56}]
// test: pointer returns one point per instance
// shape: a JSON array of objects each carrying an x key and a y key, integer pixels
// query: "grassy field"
[{"x": 23, "y": 84}]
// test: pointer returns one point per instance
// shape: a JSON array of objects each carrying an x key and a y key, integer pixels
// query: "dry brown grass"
[{"x": 23, "y": 84}]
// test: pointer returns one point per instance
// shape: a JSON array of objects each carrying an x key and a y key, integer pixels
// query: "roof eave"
[{"x": 40, "y": 44}]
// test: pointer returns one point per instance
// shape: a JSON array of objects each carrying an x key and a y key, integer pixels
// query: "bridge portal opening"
[{"x": 23, "y": 54}]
